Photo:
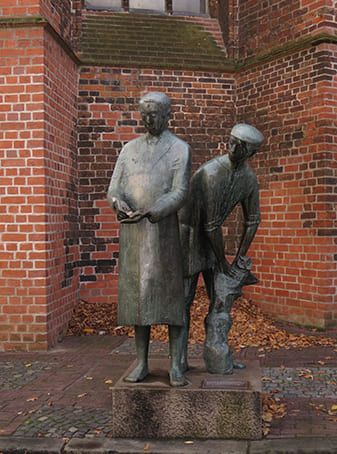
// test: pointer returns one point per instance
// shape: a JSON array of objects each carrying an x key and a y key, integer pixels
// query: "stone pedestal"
[{"x": 211, "y": 406}]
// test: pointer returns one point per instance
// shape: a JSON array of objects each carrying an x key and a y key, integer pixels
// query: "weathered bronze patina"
[
  {"x": 216, "y": 188},
  {"x": 148, "y": 187}
]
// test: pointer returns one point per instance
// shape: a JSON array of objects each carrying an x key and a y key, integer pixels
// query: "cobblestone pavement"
[
  {"x": 314, "y": 382},
  {"x": 60, "y": 421},
  {"x": 15, "y": 374},
  {"x": 66, "y": 392}
]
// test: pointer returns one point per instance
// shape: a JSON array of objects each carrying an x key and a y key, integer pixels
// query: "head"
[
  {"x": 155, "y": 109},
  {"x": 244, "y": 141}
]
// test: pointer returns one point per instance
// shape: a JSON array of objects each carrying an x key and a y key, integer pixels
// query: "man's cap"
[
  {"x": 247, "y": 133},
  {"x": 156, "y": 97}
]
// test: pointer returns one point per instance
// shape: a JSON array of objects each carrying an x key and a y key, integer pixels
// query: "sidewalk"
[{"x": 60, "y": 401}]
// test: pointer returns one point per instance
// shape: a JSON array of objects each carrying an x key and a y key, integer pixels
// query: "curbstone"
[
  {"x": 294, "y": 446},
  {"x": 18, "y": 445},
  {"x": 123, "y": 446}
]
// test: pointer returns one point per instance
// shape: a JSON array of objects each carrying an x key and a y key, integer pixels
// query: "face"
[
  {"x": 155, "y": 117},
  {"x": 237, "y": 150}
]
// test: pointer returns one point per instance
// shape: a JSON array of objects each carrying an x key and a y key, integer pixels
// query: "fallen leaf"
[
  {"x": 82, "y": 395},
  {"x": 28, "y": 365},
  {"x": 268, "y": 417},
  {"x": 146, "y": 447},
  {"x": 333, "y": 409},
  {"x": 88, "y": 378},
  {"x": 251, "y": 327},
  {"x": 108, "y": 382},
  {"x": 88, "y": 330},
  {"x": 265, "y": 430},
  {"x": 31, "y": 399}
]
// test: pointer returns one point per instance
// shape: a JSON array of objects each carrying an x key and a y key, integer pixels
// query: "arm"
[
  {"x": 251, "y": 211},
  {"x": 172, "y": 201},
  {"x": 216, "y": 241},
  {"x": 115, "y": 193}
]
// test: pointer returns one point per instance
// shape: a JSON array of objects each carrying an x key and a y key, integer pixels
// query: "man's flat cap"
[{"x": 247, "y": 133}]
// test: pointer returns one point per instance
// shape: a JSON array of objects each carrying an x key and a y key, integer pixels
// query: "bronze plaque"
[{"x": 224, "y": 383}]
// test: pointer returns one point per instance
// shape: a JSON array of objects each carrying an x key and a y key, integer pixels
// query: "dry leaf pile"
[
  {"x": 251, "y": 328},
  {"x": 272, "y": 408}
]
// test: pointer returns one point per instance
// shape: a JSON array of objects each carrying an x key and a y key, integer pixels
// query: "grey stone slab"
[
  {"x": 19, "y": 445},
  {"x": 152, "y": 409},
  {"x": 122, "y": 446},
  {"x": 300, "y": 381},
  {"x": 294, "y": 446}
]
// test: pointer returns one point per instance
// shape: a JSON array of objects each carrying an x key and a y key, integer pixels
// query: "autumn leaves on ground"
[{"x": 251, "y": 328}]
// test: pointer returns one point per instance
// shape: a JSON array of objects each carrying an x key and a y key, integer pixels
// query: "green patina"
[
  {"x": 286, "y": 48},
  {"x": 140, "y": 40},
  {"x": 164, "y": 42},
  {"x": 19, "y": 21}
]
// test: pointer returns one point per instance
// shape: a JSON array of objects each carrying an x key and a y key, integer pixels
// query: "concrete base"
[{"x": 211, "y": 406}]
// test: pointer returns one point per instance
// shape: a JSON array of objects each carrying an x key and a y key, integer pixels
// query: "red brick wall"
[
  {"x": 59, "y": 15},
  {"x": 203, "y": 110},
  {"x": 19, "y": 7},
  {"x": 61, "y": 179},
  {"x": 38, "y": 188},
  {"x": 22, "y": 200},
  {"x": 293, "y": 101},
  {"x": 269, "y": 23}
]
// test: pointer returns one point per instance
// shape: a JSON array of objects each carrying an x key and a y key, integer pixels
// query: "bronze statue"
[
  {"x": 216, "y": 188},
  {"x": 148, "y": 186}
]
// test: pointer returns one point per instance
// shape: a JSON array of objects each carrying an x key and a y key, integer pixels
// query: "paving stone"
[
  {"x": 300, "y": 382},
  {"x": 15, "y": 374},
  {"x": 59, "y": 421}
]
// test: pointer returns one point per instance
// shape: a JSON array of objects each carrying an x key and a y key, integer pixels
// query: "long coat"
[{"x": 151, "y": 173}]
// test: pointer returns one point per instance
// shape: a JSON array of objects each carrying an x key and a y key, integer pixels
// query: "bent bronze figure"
[{"x": 216, "y": 188}]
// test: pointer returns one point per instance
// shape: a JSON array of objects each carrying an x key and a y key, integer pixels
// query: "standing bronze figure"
[
  {"x": 216, "y": 188},
  {"x": 149, "y": 185}
]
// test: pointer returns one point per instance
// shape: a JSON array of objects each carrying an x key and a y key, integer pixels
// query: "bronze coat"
[{"x": 151, "y": 173}]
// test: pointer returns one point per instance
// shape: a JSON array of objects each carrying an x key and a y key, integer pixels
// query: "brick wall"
[
  {"x": 38, "y": 185},
  {"x": 269, "y": 23},
  {"x": 59, "y": 15},
  {"x": 203, "y": 110},
  {"x": 55, "y": 224},
  {"x": 22, "y": 200},
  {"x": 19, "y": 7},
  {"x": 292, "y": 100},
  {"x": 61, "y": 180}
]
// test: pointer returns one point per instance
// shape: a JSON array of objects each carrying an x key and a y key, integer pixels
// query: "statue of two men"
[{"x": 160, "y": 260}]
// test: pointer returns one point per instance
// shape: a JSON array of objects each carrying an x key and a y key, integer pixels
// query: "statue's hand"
[
  {"x": 133, "y": 217},
  {"x": 122, "y": 208},
  {"x": 120, "y": 205},
  {"x": 153, "y": 216}
]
